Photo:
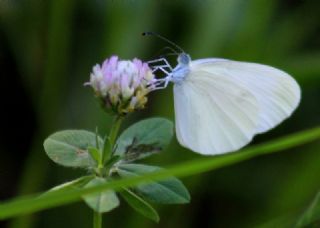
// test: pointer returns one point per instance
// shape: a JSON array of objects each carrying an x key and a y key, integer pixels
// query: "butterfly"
[{"x": 221, "y": 104}]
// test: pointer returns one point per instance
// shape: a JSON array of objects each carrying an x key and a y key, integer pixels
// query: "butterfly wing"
[
  {"x": 277, "y": 93},
  {"x": 214, "y": 114}
]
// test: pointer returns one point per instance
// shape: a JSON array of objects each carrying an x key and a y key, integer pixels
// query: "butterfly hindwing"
[{"x": 277, "y": 93}]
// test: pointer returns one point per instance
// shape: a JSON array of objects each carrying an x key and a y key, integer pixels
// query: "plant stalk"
[
  {"x": 97, "y": 219},
  {"x": 110, "y": 140},
  {"x": 115, "y": 129}
]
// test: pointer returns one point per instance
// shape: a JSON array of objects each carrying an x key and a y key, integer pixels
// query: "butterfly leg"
[
  {"x": 164, "y": 81},
  {"x": 161, "y": 68},
  {"x": 162, "y": 65},
  {"x": 158, "y": 61},
  {"x": 156, "y": 68}
]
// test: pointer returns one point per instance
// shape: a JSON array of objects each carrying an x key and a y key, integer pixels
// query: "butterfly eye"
[{"x": 184, "y": 58}]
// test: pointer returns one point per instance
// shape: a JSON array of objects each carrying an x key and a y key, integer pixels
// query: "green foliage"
[
  {"x": 144, "y": 138},
  {"x": 79, "y": 148},
  {"x": 168, "y": 191},
  {"x": 311, "y": 216},
  {"x": 141, "y": 206},
  {"x": 107, "y": 149},
  {"x": 95, "y": 154},
  {"x": 103, "y": 201},
  {"x": 32, "y": 204},
  {"x": 70, "y": 148},
  {"x": 77, "y": 183}
]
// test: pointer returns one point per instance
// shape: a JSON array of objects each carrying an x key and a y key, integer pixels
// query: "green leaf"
[
  {"x": 79, "y": 182},
  {"x": 168, "y": 191},
  {"x": 70, "y": 185},
  {"x": 107, "y": 149},
  {"x": 97, "y": 139},
  {"x": 101, "y": 202},
  {"x": 311, "y": 216},
  {"x": 112, "y": 161},
  {"x": 144, "y": 138},
  {"x": 138, "y": 204},
  {"x": 70, "y": 147},
  {"x": 95, "y": 154}
]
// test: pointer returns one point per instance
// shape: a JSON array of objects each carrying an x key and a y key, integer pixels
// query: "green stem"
[
  {"x": 115, "y": 129},
  {"x": 97, "y": 219},
  {"x": 109, "y": 143}
]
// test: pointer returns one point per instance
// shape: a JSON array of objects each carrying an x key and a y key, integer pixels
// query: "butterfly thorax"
[{"x": 180, "y": 72}]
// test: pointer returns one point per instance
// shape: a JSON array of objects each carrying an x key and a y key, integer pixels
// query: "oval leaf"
[
  {"x": 141, "y": 206},
  {"x": 103, "y": 201},
  {"x": 77, "y": 183},
  {"x": 144, "y": 138},
  {"x": 70, "y": 147},
  {"x": 168, "y": 191}
]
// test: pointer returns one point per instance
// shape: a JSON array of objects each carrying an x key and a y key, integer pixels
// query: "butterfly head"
[{"x": 184, "y": 59}]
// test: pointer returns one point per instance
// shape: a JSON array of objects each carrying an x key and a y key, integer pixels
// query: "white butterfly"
[{"x": 221, "y": 104}]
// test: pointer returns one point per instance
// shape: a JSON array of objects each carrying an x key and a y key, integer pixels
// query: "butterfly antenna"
[
  {"x": 169, "y": 54},
  {"x": 160, "y": 53},
  {"x": 163, "y": 38},
  {"x": 170, "y": 49}
]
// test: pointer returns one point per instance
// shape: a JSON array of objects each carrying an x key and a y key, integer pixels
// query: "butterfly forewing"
[{"x": 214, "y": 114}]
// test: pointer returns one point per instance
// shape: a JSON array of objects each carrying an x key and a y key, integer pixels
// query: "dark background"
[{"x": 47, "y": 50}]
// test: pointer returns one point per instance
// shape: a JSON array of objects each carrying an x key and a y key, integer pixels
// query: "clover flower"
[{"x": 122, "y": 85}]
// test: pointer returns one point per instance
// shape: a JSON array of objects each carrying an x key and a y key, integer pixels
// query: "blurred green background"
[{"x": 47, "y": 50}]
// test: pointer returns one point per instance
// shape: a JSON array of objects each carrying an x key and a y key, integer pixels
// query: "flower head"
[{"x": 122, "y": 85}]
